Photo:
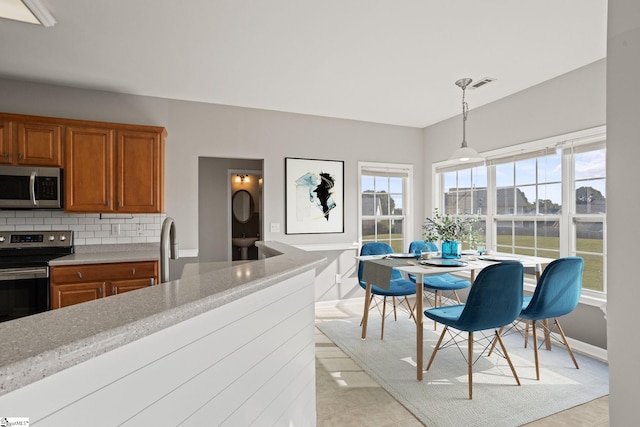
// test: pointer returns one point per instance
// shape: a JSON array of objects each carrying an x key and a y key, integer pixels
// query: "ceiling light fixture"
[
  {"x": 465, "y": 153},
  {"x": 30, "y": 11}
]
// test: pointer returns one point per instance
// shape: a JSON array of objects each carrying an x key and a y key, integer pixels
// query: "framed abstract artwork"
[{"x": 314, "y": 196}]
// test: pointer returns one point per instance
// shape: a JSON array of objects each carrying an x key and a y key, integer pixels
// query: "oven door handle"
[
  {"x": 32, "y": 187},
  {"x": 24, "y": 273}
]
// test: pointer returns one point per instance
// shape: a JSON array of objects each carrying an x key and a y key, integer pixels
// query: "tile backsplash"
[{"x": 88, "y": 229}]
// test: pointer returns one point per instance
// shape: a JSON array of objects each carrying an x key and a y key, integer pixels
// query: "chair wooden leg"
[
  {"x": 384, "y": 307},
  {"x": 411, "y": 310},
  {"x": 470, "y": 364},
  {"x": 566, "y": 344},
  {"x": 493, "y": 343},
  {"x": 395, "y": 315},
  {"x": 535, "y": 349},
  {"x": 506, "y": 355},
  {"x": 455, "y": 294},
  {"x": 435, "y": 350},
  {"x": 526, "y": 333}
]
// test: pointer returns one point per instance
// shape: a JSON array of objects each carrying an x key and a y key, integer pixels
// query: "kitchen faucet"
[{"x": 168, "y": 247}]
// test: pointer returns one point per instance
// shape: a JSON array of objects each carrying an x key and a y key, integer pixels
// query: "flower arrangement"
[{"x": 449, "y": 228}]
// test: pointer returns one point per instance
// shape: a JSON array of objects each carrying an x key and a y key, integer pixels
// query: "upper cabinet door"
[
  {"x": 139, "y": 169},
  {"x": 88, "y": 179},
  {"x": 6, "y": 143},
  {"x": 39, "y": 144}
]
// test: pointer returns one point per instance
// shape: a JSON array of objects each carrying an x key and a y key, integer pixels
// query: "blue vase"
[{"x": 450, "y": 249}]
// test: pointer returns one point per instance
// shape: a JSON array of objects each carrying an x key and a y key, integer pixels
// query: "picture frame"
[{"x": 314, "y": 196}]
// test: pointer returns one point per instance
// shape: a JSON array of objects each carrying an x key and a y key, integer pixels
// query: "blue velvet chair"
[
  {"x": 398, "y": 285},
  {"x": 557, "y": 293},
  {"x": 438, "y": 283},
  {"x": 494, "y": 300}
]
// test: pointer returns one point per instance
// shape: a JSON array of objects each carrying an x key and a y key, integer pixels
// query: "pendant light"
[{"x": 465, "y": 153}]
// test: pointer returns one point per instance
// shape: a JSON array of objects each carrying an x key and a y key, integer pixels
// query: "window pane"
[
  {"x": 550, "y": 199},
  {"x": 396, "y": 204},
  {"x": 504, "y": 233},
  {"x": 550, "y": 168},
  {"x": 590, "y": 196},
  {"x": 367, "y": 183},
  {"x": 590, "y": 164},
  {"x": 548, "y": 235},
  {"x": 480, "y": 177},
  {"x": 368, "y": 204},
  {"x": 525, "y": 171},
  {"x": 525, "y": 200},
  {"x": 589, "y": 237},
  {"x": 395, "y": 185},
  {"x": 464, "y": 178},
  {"x": 504, "y": 175},
  {"x": 593, "y": 272},
  {"x": 382, "y": 183},
  {"x": 505, "y": 201},
  {"x": 368, "y": 230},
  {"x": 524, "y": 234}
]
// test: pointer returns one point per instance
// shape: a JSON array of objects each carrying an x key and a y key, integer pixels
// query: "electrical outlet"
[
  {"x": 115, "y": 229},
  {"x": 139, "y": 229},
  {"x": 338, "y": 278},
  {"x": 275, "y": 227}
]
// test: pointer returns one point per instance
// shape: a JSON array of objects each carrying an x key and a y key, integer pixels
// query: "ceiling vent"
[{"x": 481, "y": 82}]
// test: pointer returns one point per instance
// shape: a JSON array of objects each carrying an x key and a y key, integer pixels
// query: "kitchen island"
[{"x": 227, "y": 343}]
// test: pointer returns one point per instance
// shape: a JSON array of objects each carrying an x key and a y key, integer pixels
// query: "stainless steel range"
[{"x": 24, "y": 270}]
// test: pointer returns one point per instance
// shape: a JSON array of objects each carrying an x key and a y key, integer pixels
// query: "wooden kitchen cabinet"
[
  {"x": 118, "y": 171},
  {"x": 108, "y": 167},
  {"x": 6, "y": 142},
  {"x": 74, "y": 284},
  {"x": 30, "y": 143}
]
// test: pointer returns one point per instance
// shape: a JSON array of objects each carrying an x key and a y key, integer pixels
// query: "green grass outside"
[{"x": 593, "y": 273}]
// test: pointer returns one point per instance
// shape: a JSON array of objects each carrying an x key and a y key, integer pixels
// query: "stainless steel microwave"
[{"x": 27, "y": 187}]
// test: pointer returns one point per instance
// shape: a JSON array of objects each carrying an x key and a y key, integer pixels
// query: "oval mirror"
[{"x": 242, "y": 203}]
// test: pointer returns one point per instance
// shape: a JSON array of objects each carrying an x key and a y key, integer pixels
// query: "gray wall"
[
  {"x": 568, "y": 103},
  {"x": 623, "y": 128},
  {"x": 198, "y": 130}
]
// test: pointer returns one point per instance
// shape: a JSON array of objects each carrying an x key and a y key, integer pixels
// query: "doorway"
[{"x": 214, "y": 205}]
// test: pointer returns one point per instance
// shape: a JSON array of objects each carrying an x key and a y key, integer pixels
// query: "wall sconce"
[{"x": 242, "y": 179}]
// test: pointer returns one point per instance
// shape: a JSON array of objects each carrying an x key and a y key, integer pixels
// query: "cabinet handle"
[
  {"x": 119, "y": 203},
  {"x": 113, "y": 290},
  {"x": 79, "y": 275},
  {"x": 106, "y": 203},
  {"x": 99, "y": 291},
  {"x": 133, "y": 271},
  {"x": 5, "y": 155},
  {"x": 152, "y": 281},
  {"x": 20, "y": 156}
]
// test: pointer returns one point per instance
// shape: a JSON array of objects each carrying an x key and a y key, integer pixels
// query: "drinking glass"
[{"x": 481, "y": 249}]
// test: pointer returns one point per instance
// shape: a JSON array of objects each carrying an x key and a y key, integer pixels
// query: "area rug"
[{"x": 441, "y": 399}]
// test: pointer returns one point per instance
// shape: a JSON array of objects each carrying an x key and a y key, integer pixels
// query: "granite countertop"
[
  {"x": 38, "y": 346},
  {"x": 100, "y": 254}
]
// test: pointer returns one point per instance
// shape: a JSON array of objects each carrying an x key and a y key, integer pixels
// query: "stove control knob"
[
  {"x": 1, "y": 239},
  {"x": 52, "y": 238},
  {"x": 63, "y": 238}
]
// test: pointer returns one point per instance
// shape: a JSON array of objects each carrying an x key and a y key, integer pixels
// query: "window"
[
  {"x": 546, "y": 198},
  {"x": 384, "y": 199}
]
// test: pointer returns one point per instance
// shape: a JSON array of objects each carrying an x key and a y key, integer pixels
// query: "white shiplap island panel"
[{"x": 248, "y": 361}]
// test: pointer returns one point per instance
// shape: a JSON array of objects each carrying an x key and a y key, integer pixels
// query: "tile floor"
[{"x": 346, "y": 396}]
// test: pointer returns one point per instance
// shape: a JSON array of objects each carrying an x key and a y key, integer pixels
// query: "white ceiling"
[{"x": 392, "y": 62}]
